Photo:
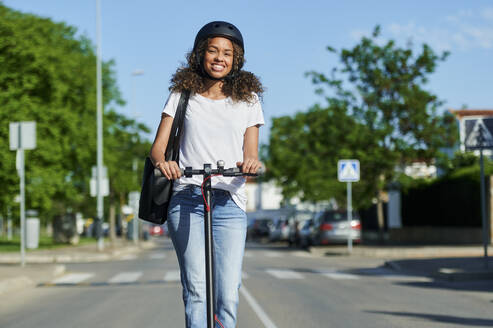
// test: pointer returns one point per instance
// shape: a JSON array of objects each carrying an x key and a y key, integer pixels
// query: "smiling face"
[{"x": 218, "y": 58}]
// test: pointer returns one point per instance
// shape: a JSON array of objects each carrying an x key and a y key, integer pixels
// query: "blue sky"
[{"x": 283, "y": 40}]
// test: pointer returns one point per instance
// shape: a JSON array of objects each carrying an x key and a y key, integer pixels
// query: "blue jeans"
[{"x": 186, "y": 228}]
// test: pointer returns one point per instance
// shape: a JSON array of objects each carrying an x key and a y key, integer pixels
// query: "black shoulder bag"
[{"x": 156, "y": 188}]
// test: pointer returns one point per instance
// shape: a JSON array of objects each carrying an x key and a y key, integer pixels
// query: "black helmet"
[{"x": 219, "y": 28}]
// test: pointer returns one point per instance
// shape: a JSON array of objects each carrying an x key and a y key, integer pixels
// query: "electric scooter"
[{"x": 207, "y": 172}]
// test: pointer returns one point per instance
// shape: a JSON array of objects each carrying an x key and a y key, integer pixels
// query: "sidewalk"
[
  {"x": 84, "y": 253},
  {"x": 44, "y": 265},
  {"x": 452, "y": 263}
]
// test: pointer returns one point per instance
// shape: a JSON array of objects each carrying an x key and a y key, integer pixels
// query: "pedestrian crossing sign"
[{"x": 348, "y": 170}]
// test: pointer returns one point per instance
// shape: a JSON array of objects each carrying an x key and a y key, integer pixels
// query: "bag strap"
[{"x": 173, "y": 147}]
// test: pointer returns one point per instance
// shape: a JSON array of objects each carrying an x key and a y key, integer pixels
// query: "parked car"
[
  {"x": 279, "y": 230},
  {"x": 259, "y": 228},
  {"x": 295, "y": 222},
  {"x": 307, "y": 233},
  {"x": 332, "y": 227},
  {"x": 156, "y": 230}
]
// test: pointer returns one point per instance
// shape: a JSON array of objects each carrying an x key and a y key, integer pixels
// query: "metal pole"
[
  {"x": 22, "y": 204},
  {"x": 349, "y": 217},
  {"x": 9, "y": 229},
  {"x": 9, "y": 223},
  {"x": 132, "y": 105},
  {"x": 22, "y": 195},
  {"x": 99, "y": 175},
  {"x": 483, "y": 201},
  {"x": 209, "y": 255}
]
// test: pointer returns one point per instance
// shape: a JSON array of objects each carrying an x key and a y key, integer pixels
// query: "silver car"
[
  {"x": 332, "y": 227},
  {"x": 279, "y": 231}
]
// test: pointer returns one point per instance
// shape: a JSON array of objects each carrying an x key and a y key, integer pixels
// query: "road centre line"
[{"x": 257, "y": 308}]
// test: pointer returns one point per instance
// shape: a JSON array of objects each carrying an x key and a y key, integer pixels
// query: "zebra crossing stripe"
[
  {"x": 284, "y": 274},
  {"x": 73, "y": 278},
  {"x": 340, "y": 276},
  {"x": 157, "y": 256},
  {"x": 125, "y": 277},
  {"x": 334, "y": 274},
  {"x": 272, "y": 254},
  {"x": 172, "y": 276}
]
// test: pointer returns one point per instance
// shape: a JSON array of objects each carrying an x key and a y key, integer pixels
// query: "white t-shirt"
[{"x": 214, "y": 130}]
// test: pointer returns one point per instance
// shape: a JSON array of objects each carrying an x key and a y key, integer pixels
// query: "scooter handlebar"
[{"x": 231, "y": 172}]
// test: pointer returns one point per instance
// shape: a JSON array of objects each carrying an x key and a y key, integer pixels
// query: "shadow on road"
[
  {"x": 441, "y": 318},
  {"x": 482, "y": 286}
]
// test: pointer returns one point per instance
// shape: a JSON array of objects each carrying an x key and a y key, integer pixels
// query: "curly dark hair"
[{"x": 239, "y": 84}]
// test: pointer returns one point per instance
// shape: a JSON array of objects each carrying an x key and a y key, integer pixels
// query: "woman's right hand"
[{"x": 170, "y": 169}]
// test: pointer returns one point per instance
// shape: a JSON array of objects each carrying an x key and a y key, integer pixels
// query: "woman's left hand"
[{"x": 249, "y": 165}]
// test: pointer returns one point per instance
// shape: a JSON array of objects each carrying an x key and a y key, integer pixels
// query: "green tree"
[
  {"x": 386, "y": 118},
  {"x": 47, "y": 75}
]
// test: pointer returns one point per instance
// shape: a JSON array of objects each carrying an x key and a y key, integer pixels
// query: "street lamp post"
[
  {"x": 481, "y": 142},
  {"x": 99, "y": 170},
  {"x": 135, "y": 73}
]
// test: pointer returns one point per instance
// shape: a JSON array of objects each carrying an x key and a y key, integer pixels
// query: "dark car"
[
  {"x": 332, "y": 227},
  {"x": 307, "y": 233},
  {"x": 279, "y": 230},
  {"x": 260, "y": 228},
  {"x": 295, "y": 222}
]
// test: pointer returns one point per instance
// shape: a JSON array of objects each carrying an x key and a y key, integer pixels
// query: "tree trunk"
[
  {"x": 380, "y": 217},
  {"x": 112, "y": 223}
]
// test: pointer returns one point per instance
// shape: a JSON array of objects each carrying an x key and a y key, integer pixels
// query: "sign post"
[
  {"x": 133, "y": 201},
  {"x": 348, "y": 171},
  {"x": 99, "y": 187},
  {"x": 480, "y": 139},
  {"x": 22, "y": 136}
]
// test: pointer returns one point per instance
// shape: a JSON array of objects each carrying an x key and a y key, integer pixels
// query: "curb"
[
  {"x": 23, "y": 282},
  {"x": 117, "y": 254},
  {"x": 419, "y": 252}
]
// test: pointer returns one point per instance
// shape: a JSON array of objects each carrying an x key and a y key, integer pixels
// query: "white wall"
[{"x": 263, "y": 196}]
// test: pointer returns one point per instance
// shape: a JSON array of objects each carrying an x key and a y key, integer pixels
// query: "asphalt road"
[{"x": 282, "y": 288}]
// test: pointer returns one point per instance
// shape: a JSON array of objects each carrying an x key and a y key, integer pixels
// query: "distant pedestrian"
[{"x": 222, "y": 123}]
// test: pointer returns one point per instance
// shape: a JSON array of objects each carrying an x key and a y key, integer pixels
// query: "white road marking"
[
  {"x": 157, "y": 256},
  {"x": 128, "y": 257},
  {"x": 340, "y": 275},
  {"x": 301, "y": 254},
  {"x": 244, "y": 275},
  {"x": 272, "y": 254},
  {"x": 73, "y": 278},
  {"x": 392, "y": 275},
  {"x": 334, "y": 274},
  {"x": 248, "y": 254},
  {"x": 257, "y": 309},
  {"x": 284, "y": 274},
  {"x": 172, "y": 275},
  {"x": 125, "y": 277}
]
